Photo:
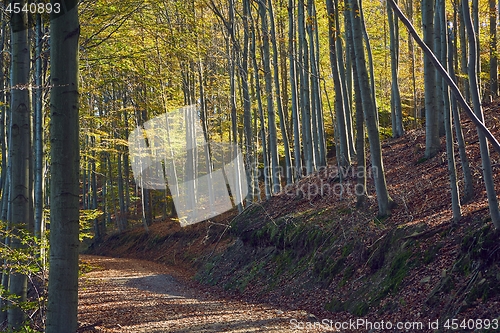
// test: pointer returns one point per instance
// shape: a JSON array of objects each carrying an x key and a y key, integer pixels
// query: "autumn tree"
[
  {"x": 64, "y": 191},
  {"x": 19, "y": 153},
  {"x": 385, "y": 202}
]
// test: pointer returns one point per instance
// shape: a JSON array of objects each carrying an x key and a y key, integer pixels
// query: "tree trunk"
[
  {"x": 483, "y": 144},
  {"x": 279, "y": 102},
  {"x": 344, "y": 159},
  {"x": 38, "y": 133},
  {"x": 64, "y": 202},
  {"x": 369, "y": 53},
  {"x": 468, "y": 185},
  {"x": 19, "y": 154},
  {"x": 475, "y": 21},
  {"x": 273, "y": 142},
  {"x": 439, "y": 94},
  {"x": 463, "y": 54},
  {"x": 247, "y": 108},
  {"x": 432, "y": 142},
  {"x": 385, "y": 202},
  {"x": 305, "y": 98},
  {"x": 493, "y": 49},
  {"x": 396, "y": 111},
  {"x": 345, "y": 73},
  {"x": 360, "y": 125},
  {"x": 450, "y": 152},
  {"x": 265, "y": 160},
  {"x": 294, "y": 93}
]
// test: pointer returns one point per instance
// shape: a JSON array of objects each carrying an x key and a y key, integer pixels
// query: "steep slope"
[{"x": 312, "y": 249}]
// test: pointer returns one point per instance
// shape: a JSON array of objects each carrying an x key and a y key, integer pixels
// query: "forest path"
[{"x": 130, "y": 295}]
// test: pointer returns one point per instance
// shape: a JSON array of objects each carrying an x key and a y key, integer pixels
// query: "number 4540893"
[
  {"x": 471, "y": 324},
  {"x": 33, "y": 8}
]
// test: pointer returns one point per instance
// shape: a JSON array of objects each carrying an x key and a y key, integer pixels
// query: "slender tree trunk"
[
  {"x": 493, "y": 49},
  {"x": 344, "y": 80},
  {"x": 97, "y": 229},
  {"x": 64, "y": 203},
  {"x": 450, "y": 152},
  {"x": 468, "y": 185},
  {"x": 3, "y": 102},
  {"x": 247, "y": 107},
  {"x": 344, "y": 159},
  {"x": 385, "y": 202},
  {"x": 38, "y": 131},
  {"x": 19, "y": 154},
  {"x": 432, "y": 142},
  {"x": 360, "y": 125},
  {"x": 294, "y": 92},
  {"x": 279, "y": 102},
  {"x": 4, "y": 174},
  {"x": 313, "y": 85},
  {"x": 266, "y": 176},
  {"x": 305, "y": 97},
  {"x": 463, "y": 54},
  {"x": 6, "y": 241},
  {"x": 439, "y": 94},
  {"x": 231, "y": 54},
  {"x": 483, "y": 144},
  {"x": 126, "y": 163},
  {"x": 475, "y": 22},
  {"x": 396, "y": 110},
  {"x": 371, "y": 66},
  {"x": 273, "y": 142},
  {"x": 122, "y": 216},
  {"x": 411, "y": 51}
]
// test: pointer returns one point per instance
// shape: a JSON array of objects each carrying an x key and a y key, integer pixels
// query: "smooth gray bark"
[
  {"x": 360, "y": 123},
  {"x": 305, "y": 97},
  {"x": 65, "y": 165},
  {"x": 313, "y": 84},
  {"x": 432, "y": 142},
  {"x": 439, "y": 95},
  {"x": 493, "y": 49},
  {"x": 463, "y": 54},
  {"x": 247, "y": 107},
  {"x": 19, "y": 154},
  {"x": 38, "y": 133},
  {"x": 265, "y": 160},
  {"x": 483, "y": 144},
  {"x": 396, "y": 110},
  {"x": 273, "y": 140},
  {"x": 345, "y": 71},
  {"x": 344, "y": 159},
  {"x": 468, "y": 185},
  {"x": 294, "y": 92},
  {"x": 447, "y": 117},
  {"x": 279, "y": 102},
  {"x": 385, "y": 202}
]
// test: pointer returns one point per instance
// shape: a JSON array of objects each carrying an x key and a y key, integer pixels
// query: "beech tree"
[
  {"x": 432, "y": 143},
  {"x": 19, "y": 154},
  {"x": 483, "y": 144},
  {"x": 385, "y": 202},
  {"x": 396, "y": 111},
  {"x": 340, "y": 111},
  {"x": 493, "y": 84},
  {"x": 64, "y": 170}
]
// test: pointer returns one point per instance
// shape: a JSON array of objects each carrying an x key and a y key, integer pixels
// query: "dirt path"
[{"x": 128, "y": 295}]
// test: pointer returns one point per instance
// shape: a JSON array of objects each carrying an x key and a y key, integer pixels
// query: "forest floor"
[
  {"x": 131, "y": 295},
  {"x": 307, "y": 252}
]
